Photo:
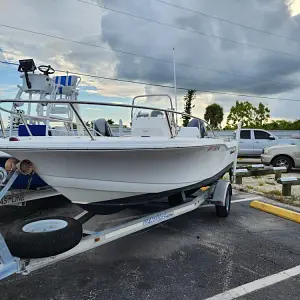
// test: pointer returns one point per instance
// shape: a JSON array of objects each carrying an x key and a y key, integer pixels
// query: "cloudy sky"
[{"x": 98, "y": 37}]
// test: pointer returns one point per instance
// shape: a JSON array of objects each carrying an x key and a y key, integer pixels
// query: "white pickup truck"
[{"x": 253, "y": 141}]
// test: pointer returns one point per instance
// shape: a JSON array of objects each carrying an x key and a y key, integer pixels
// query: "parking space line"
[
  {"x": 80, "y": 215},
  {"x": 276, "y": 210},
  {"x": 256, "y": 285},
  {"x": 232, "y": 201},
  {"x": 246, "y": 199}
]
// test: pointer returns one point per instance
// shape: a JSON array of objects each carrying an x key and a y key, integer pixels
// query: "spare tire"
[{"x": 43, "y": 237}]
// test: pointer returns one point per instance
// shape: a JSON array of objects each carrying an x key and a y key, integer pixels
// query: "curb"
[
  {"x": 280, "y": 199},
  {"x": 277, "y": 211}
]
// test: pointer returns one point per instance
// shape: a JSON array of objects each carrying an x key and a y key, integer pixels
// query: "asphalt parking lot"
[{"x": 194, "y": 256}]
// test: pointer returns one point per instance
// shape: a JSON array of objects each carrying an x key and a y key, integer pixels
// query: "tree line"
[{"x": 250, "y": 115}]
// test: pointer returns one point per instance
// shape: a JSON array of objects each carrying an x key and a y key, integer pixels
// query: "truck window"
[
  {"x": 245, "y": 134},
  {"x": 261, "y": 135}
]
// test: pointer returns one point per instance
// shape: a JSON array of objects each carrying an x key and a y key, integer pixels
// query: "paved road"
[{"x": 194, "y": 256}]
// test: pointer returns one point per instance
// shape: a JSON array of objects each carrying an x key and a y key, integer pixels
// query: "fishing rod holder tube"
[
  {"x": 11, "y": 164},
  {"x": 25, "y": 167}
]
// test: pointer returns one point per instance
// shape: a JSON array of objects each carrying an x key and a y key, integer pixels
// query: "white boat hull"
[{"x": 99, "y": 175}]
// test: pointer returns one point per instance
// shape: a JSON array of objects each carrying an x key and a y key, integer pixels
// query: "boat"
[{"x": 104, "y": 174}]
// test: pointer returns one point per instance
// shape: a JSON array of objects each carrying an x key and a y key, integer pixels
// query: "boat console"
[
  {"x": 44, "y": 87},
  {"x": 149, "y": 122}
]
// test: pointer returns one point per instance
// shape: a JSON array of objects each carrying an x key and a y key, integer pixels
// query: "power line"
[
  {"x": 77, "y": 42},
  {"x": 190, "y": 30},
  {"x": 8, "y": 63},
  {"x": 168, "y": 86},
  {"x": 228, "y": 21},
  {"x": 144, "y": 56}
]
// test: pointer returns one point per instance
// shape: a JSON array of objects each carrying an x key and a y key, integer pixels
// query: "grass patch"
[
  {"x": 270, "y": 183},
  {"x": 261, "y": 183},
  {"x": 272, "y": 193},
  {"x": 295, "y": 198},
  {"x": 256, "y": 177}
]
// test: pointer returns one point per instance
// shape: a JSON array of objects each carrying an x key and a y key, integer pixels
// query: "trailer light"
[
  {"x": 204, "y": 188},
  {"x": 25, "y": 167},
  {"x": 11, "y": 164},
  {"x": 13, "y": 139},
  {"x": 97, "y": 240}
]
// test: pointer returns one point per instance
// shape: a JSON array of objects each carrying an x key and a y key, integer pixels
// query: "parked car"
[
  {"x": 282, "y": 156},
  {"x": 253, "y": 141}
]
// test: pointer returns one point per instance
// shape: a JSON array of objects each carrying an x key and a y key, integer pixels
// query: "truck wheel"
[
  {"x": 283, "y": 161},
  {"x": 43, "y": 237},
  {"x": 223, "y": 211}
]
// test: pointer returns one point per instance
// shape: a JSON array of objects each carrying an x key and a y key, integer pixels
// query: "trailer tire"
[
  {"x": 223, "y": 211},
  {"x": 43, "y": 237}
]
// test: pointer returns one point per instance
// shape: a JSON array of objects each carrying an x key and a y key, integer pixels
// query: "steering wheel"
[{"x": 46, "y": 70}]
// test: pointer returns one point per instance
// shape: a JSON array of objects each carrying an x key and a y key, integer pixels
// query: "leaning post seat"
[{"x": 66, "y": 84}]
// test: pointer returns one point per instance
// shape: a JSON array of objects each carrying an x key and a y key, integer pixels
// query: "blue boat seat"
[
  {"x": 36, "y": 130},
  {"x": 70, "y": 81}
]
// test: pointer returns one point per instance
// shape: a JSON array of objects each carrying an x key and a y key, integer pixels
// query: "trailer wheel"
[
  {"x": 43, "y": 237},
  {"x": 223, "y": 211}
]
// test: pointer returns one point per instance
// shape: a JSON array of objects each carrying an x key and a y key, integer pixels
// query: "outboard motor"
[
  {"x": 102, "y": 126},
  {"x": 196, "y": 123}
]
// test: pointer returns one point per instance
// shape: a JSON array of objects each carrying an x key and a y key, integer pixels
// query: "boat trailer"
[{"x": 218, "y": 194}]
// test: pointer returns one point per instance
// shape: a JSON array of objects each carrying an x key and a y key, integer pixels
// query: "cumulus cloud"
[
  {"x": 203, "y": 51},
  {"x": 259, "y": 67}
]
